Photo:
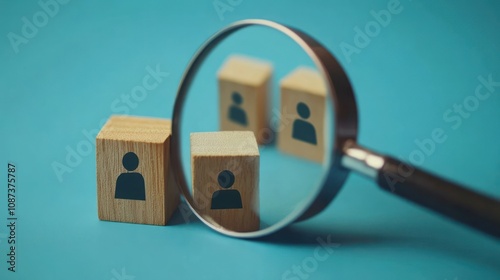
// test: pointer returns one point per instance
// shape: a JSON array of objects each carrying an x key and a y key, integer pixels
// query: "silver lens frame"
[{"x": 345, "y": 127}]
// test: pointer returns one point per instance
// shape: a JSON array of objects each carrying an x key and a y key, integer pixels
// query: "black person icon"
[
  {"x": 130, "y": 185},
  {"x": 236, "y": 114},
  {"x": 226, "y": 199},
  {"x": 303, "y": 130}
]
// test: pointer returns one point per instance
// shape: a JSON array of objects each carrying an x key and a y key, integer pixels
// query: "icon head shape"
[
  {"x": 226, "y": 179},
  {"x": 303, "y": 110},
  {"x": 130, "y": 161},
  {"x": 237, "y": 98}
]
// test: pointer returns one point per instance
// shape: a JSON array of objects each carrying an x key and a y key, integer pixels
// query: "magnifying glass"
[{"x": 264, "y": 134}]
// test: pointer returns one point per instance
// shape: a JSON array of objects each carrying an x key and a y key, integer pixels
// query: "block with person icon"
[
  {"x": 225, "y": 178},
  {"x": 243, "y": 96},
  {"x": 303, "y": 95},
  {"x": 134, "y": 178}
]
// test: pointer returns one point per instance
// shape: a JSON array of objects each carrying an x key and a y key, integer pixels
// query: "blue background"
[{"x": 64, "y": 80}]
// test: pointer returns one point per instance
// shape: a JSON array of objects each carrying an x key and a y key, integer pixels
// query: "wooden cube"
[
  {"x": 135, "y": 182},
  {"x": 243, "y": 96},
  {"x": 303, "y": 96},
  {"x": 225, "y": 178}
]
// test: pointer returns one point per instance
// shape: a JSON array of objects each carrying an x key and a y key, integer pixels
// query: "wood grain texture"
[
  {"x": 251, "y": 79},
  {"x": 306, "y": 86},
  {"x": 149, "y": 139},
  {"x": 236, "y": 151}
]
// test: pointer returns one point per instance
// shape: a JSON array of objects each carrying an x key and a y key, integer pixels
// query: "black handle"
[{"x": 444, "y": 197}]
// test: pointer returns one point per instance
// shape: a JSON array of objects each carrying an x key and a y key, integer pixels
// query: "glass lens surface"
[{"x": 256, "y": 132}]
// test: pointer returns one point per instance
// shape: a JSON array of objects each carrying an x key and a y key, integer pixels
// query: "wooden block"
[
  {"x": 303, "y": 95},
  {"x": 225, "y": 174},
  {"x": 243, "y": 96},
  {"x": 135, "y": 183}
]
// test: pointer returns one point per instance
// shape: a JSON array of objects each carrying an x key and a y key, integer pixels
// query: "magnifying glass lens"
[
  {"x": 261, "y": 146},
  {"x": 256, "y": 132}
]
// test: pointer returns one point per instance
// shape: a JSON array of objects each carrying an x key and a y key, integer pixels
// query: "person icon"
[
  {"x": 130, "y": 185},
  {"x": 226, "y": 199},
  {"x": 303, "y": 130},
  {"x": 236, "y": 114}
]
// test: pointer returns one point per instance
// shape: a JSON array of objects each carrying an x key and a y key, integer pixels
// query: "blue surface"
[{"x": 72, "y": 72}]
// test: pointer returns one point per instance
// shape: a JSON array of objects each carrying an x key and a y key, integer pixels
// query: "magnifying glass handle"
[
  {"x": 421, "y": 187},
  {"x": 442, "y": 196}
]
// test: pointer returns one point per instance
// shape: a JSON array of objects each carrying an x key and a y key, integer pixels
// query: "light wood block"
[
  {"x": 212, "y": 153},
  {"x": 244, "y": 84},
  {"x": 303, "y": 95},
  {"x": 121, "y": 194}
]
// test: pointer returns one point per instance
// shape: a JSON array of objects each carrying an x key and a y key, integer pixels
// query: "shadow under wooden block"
[
  {"x": 244, "y": 85},
  {"x": 303, "y": 94},
  {"x": 135, "y": 183},
  {"x": 225, "y": 174}
]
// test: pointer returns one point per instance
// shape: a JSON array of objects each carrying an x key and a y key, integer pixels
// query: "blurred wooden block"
[
  {"x": 243, "y": 96},
  {"x": 225, "y": 175},
  {"x": 303, "y": 95},
  {"x": 135, "y": 183}
]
